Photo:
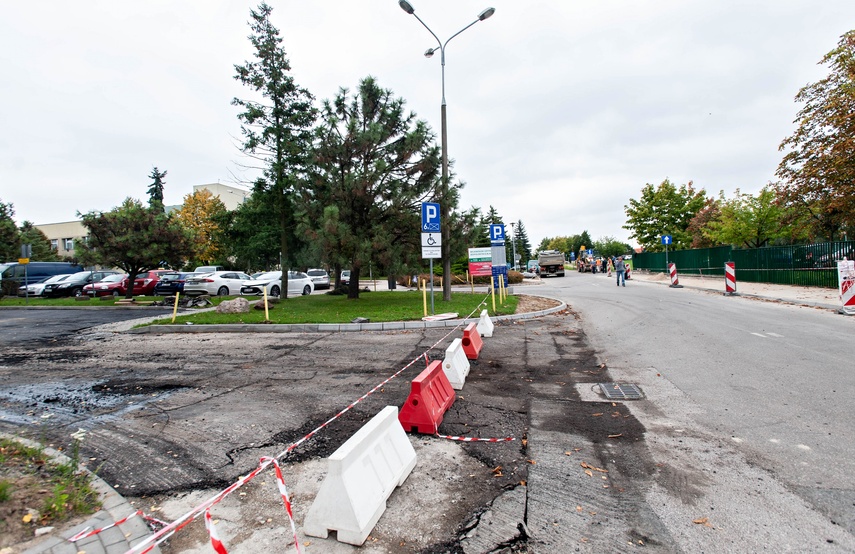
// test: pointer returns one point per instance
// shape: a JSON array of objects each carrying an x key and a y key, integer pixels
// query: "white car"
[
  {"x": 218, "y": 283},
  {"x": 298, "y": 283},
  {"x": 38, "y": 289}
]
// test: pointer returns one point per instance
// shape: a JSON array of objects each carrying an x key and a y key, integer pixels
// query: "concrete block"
[{"x": 361, "y": 475}]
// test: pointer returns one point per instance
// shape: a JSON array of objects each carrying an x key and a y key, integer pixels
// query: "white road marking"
[
  {"x": 776, "y": 335},
  {"x": 759, "y": 335}
]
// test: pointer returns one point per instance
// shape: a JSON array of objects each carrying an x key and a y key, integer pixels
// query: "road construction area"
[{"x": 171, "y": 420}]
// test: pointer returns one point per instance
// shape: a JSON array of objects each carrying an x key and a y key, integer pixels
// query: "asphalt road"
[
  {"x": 769, "y": 380},
  {"x": 173, "y": 418},
  {"x": 27, "y": 326}
]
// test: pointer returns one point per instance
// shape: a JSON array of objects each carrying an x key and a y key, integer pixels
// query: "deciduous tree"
[
  {"x": 134, "y": 238},
  {"x": 747, "y": 221},
  {"x": 818, "y": 171},
  {"x": 200, "y": 215},
  {"x": 664, "y": 210}
]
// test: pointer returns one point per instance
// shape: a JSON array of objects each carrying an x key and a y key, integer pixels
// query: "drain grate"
[{"x": 621, "y": 391}]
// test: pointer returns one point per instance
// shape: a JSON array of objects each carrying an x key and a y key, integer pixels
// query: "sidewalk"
[{"x": 805, "y": 296}]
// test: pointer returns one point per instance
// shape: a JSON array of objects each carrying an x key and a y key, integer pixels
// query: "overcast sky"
[{"x": 558, "y": 112}]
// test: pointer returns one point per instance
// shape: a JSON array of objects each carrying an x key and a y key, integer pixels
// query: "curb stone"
[{"x": 114, "y": 507}]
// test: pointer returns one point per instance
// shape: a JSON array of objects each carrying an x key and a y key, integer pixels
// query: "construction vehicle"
[
  {"x": 584, "y": 264},
  {"x": 551, "y": 262}
]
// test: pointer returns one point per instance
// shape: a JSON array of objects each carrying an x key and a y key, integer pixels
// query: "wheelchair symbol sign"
[{"x": 431, "y": 239}]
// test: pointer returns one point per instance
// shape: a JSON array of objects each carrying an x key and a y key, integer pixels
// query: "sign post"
[
  {"x": 431, "y": 239},
  {"x": 666, "y": 240},
  {"x": 497, "y": 246},
  {"x": 24, "y": 260}
]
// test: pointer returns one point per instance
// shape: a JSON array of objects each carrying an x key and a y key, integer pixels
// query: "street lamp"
[
  {"x": 514, "y": 245},
  {"x": 446, "y": 259}
]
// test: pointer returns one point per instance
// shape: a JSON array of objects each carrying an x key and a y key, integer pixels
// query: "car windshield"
[
  {"x": 269, "y": 276},
  {"x": 5, "y": 270},
  {"x": 115, "y": 278},
  {"x": 57, "y": 278},
  {"x": 170, "y": 277},
  {"x": 317, "y": 273}
]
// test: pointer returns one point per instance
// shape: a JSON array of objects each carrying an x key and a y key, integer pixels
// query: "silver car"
[
  {"x": 219, "y": 283},
  {"x": 320, "y": 278}
]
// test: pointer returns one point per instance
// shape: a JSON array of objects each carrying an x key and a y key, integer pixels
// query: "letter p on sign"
[{"x": 430, "y": 217}]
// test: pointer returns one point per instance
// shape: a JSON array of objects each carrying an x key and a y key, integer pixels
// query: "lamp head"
[
  {"x": 481, "y": 16},
  {"x": 407, "y": 7},
  {"x": 429, "y": 52}
]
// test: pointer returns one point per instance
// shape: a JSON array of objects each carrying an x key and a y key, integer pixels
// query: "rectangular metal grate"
[{"x": 621, "y": 391}]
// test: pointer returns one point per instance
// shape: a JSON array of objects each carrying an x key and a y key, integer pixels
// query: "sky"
[{"x": 558, "y": 113}]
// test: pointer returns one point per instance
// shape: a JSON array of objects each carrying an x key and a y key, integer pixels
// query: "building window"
[
  {"x": 68, "y": 244},
  {"x": 54, "y": 244}
]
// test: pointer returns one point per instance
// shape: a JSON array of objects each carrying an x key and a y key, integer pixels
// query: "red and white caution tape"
[
  {"x": 88, "y": 532},
  {"x": 219, "y": 548},
  {"x": 280, "y": 482},
  {"x": 159, "y": 536}
]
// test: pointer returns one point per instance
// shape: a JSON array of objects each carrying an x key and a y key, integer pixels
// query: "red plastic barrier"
[
  {"x": 430, "y": 397},
  {"x": 472, "y": 343}
]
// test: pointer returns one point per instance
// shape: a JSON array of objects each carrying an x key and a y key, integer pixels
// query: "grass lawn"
[{"x": 375, "y": 306}]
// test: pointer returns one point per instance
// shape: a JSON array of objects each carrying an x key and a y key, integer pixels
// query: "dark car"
[
  {"x": 145, "y": 282},
  {"x": 171, "y": 283},
  {"x": 73, "y": 285}
]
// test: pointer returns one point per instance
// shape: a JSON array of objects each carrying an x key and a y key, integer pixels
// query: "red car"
[
  {"x": 145, "y": 282},
  {"x": 112, "y": 285}
]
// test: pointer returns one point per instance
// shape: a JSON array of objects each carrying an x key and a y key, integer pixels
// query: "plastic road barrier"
[
  {"x": 472, "y": 343},
  {"x": 729, "y": 278},
  {"x": 456, "y": 364},
  {"x": 672, "y": 270},
  {"x": 361, "y": 475},
  {"x": 846, "y": 286},
  {"x": 431, "y": 395},
  {"x": 485, "y": 325}
]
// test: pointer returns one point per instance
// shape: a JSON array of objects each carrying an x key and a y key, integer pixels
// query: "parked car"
[
  {"x": 13, "y": 274},
  {"x": 74, "y": 283},
  {"x": 219, "y": 283},
  {"x": 173, "y": 282},
  {"x": 298, "y": 283},
  {"x": 145, "y": 282},
  {"x": 320, "y": 278},
  {"x": 38, "y": 288},
  {"x": 345, "y": 277},
  {"x": 111, "y": 285},
  {"x": 209, "y": 269}
]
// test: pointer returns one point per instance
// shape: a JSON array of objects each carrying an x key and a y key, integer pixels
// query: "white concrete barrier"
[
  {"x": 456, "y": 364},
  {"x": 361, "y": 475},
  {"x": 485, "y": 325}
]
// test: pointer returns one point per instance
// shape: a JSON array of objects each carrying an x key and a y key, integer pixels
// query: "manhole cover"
[{"x": 621, "y": 391}]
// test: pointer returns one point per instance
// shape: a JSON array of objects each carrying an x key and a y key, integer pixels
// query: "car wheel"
[
  {"x": 307, "y": 290},
  {"x": 77, "y": 292},
  {"x": 274, "y": 290},
  {"x": 223, "y": 291},
  {"x": 115, "y": 294}
]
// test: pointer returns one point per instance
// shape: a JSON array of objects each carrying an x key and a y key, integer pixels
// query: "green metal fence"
[{"x": 813, "y": 265}]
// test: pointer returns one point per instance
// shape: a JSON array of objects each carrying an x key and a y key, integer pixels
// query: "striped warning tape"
[
  {"x": 475, "y": 439},
  {"x": 159, "y": 536}
]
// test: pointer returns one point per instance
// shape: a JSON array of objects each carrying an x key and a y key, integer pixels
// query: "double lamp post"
[{"x": 443, "y": 206}]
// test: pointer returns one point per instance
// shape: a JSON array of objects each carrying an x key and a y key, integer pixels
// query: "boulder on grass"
[{"x": 236, "y": 306}]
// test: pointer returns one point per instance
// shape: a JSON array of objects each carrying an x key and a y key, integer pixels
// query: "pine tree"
[
  {"x": 277, "y": 129},
  {"x": 155, "y": 190}
]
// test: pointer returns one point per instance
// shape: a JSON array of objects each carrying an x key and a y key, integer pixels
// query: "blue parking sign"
[
  {"x": 430, "y": 217},
  {"x": 497, "y": 234}
]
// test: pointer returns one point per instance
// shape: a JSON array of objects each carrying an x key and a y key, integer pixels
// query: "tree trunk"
[{"x": 353, "y": 288}]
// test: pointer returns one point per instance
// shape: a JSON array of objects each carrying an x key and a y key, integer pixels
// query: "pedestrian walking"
[
  {"x": 620, "y": 269},
  {"x": 611, "y": 266}
]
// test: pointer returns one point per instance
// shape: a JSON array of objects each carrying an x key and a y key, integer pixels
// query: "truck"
[{"x": 551, "y": 262}]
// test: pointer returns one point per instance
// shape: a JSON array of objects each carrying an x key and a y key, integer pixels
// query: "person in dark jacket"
[{"x": 620, "y": 269}]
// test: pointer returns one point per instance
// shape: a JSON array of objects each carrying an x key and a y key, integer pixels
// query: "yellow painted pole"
[
  {"x": 501, "y": 289},
  {"x": 493, "y": 293},
  {"x": 175, "y": 308},
  {"x": 266, "y": 311},
  {"x": 471, "y": 280},
  {"x": 424, "y": 296}
]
